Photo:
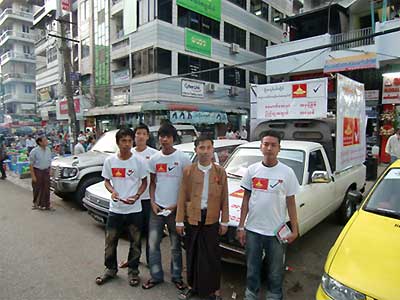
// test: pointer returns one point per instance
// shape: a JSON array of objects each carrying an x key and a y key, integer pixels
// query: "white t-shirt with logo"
[
  {"x": 168, "y": 170},
  {"x": 126, "y": 177},
  {"x": 269, "y": 188},
  {"x": 145, "y": 155}
]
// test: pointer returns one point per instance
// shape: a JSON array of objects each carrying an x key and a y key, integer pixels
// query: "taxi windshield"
[
  {"x": 385, "y": 199},
  {"x": 242, "y": 158}
]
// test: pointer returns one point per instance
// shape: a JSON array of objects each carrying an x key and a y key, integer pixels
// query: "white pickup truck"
[{"x": 323, "y": 190}]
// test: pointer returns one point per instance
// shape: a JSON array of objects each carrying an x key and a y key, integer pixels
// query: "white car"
[{"x": 97, "y": 198}]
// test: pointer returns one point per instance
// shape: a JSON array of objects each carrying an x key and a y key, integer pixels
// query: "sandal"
[
  {"x": 123, "y": 264},
  {"x": 150, "y": 284},
  {"x": 186, "y": 294},
  {"x": 104, "y": 278},
  {"x": 179, "y": 284},
  {"x": 134, "y": 280}
]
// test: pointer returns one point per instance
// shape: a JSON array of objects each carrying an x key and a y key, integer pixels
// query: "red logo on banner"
[
  {"x": 118, "y": 172},
  {"x": 260, "y": 183},
  {"x": 161, "y": 168},
  {"x": 65, "y": 4},
  {"x": 299, "y": 90},
  {"x": 351, "y": 131},
  {"x": 64, "y": 106}
]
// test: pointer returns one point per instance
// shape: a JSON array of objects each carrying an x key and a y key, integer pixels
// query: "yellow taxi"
[{"x": 364, "y": 263}]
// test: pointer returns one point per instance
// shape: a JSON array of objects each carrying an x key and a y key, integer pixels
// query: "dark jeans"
[
  {"x": 146, "y": 211},
  {"x": 116, "y": 223},
  {"x": 156, "y": 228},
  {"x": 256, "y": 244},
  {"x": 3, "y": 172}
]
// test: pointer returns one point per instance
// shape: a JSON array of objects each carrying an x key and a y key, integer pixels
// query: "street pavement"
[{"x": 57, "y": 255}]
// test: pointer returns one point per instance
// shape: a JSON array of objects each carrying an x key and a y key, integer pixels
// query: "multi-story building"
[
  {"x": 150, "y": 49},
  {"x": 49, "y": 60},
  {"x": 17, "y": 58}
]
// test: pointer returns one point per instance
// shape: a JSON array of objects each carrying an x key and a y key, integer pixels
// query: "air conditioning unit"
[
  {"x": 233, "y": 91},
  {"x": 211, "y": 87},
  {"x": 234, "y": 48}
]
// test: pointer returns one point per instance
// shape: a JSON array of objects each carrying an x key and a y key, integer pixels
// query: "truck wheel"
[
  {"x": 80, "y": 192},
  {"x": 346, "y": 209}
]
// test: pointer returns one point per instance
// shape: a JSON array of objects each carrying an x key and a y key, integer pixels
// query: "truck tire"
[
  {"x": 346, "y": 209},
  {"x": 80, "y": 192}
]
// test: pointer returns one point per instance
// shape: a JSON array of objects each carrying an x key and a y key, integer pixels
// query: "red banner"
[{"x": 66, "y": 5}]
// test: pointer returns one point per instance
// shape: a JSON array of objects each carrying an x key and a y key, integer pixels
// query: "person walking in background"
[
  {"x": 30, "y": 143},
  {"x": 269, "y": 195},
  {"x": 3, "y": 157},
  {"x": 79, "y": 148},
  {"x": 393, "y": 146},
  {"x": 202, "y": 203},
  {"x": 243, "y": 133},
  {"x": 91, "y": 142},
  {"x": 125, "y": 177},
  {"x": 166, "y": 170},
  {"x": 40, "y": 161}
]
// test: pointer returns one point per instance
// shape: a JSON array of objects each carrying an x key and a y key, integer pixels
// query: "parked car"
[
  {"x": 309, "y": 161},
  {"x": 364, "y": 261},
  {"x": 70, "y": 176},
  {"x": 97, "y": 198}
]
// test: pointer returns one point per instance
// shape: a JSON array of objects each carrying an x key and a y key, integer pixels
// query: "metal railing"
[
  {"x": 19, "y": 34},
  {"x": 10, "y": 11},
  {"x": 7, "y": 97},
  {"x": 120, "y": 44},
  {"x": 17, "y": 55},
  {"x": 352, "y": 35},
  {"x": 19, "y": 76}
]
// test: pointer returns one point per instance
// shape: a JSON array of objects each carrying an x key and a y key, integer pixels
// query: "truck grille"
[
  {"x": 98, "y": 201},
  {"x": 55, "y": 172}
]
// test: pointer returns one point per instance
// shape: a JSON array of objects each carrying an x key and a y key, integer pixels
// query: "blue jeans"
[
  {"x": 256, "y": 244},
  {"x": 156, "y": 227}
]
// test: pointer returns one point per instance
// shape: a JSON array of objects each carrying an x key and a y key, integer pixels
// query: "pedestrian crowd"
[{"x": 152, "y": 190}]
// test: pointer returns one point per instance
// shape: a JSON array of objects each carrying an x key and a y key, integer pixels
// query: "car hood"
[
  {"x": 99, "y": 190},
  {"x": 84, "y": 160},
  {"x": 367, "y": 258}
]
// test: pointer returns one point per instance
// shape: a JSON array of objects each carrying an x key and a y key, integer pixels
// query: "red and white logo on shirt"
[
  {"x": 260, "y": 183},
  {"x": 118, "y": 172},
  {"x": 161, "y": 168}
]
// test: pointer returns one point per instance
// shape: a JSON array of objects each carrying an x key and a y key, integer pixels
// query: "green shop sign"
[
  {"x": 197, "y": 42},
  {"x": 208, "y": 8}
]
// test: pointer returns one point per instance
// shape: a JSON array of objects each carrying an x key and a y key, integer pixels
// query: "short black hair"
[
  {"x": 39, "y": 139},
  {"x": 141, "y": 126},
  {"x": 123, "y": 132},
  {"x": 203, "y": 138},
  {"x": 272, "y": 133},
  {"x": 167, "y": 129}
]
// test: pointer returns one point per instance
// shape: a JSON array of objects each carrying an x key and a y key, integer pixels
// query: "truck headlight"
[
  {"x": 338, "y": 291},
  {"x": 68, "y": 172}
]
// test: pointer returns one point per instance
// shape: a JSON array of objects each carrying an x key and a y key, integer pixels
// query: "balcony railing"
[
  {"x": 120, "y": 44},
  {"x": 352, "y": 35},
  {"x": 17, "y": 55},
  {"x": 18, "y": 76},
  {"x": 19, "y": 34},
  {"x": 7, "y": 97},
  {"x": 10, "y": 11}
]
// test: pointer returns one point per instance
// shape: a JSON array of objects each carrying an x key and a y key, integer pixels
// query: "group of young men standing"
[{"x": 152, "y": 189}]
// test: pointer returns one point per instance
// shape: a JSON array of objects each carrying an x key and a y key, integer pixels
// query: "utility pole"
[{"x": 65, "y": 72}]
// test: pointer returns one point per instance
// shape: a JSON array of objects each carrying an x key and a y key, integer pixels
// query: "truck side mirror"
[{"x": 320, "y": 177}]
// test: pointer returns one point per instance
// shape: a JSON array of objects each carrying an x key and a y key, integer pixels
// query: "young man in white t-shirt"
[
  {"x": 125, "y": 177},
  {"x": 166, "y": 169},
  {"x": 269, "y": 193}
]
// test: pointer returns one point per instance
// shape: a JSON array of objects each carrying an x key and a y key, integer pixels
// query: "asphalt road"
[{"x": 57, "y": 255}]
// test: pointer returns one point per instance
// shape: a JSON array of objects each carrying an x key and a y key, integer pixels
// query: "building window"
[
  {"x": 241, "y": 3},
  {"x": 259, "y": 8},
  {"x": 28, "y": 88},
  {"x": 85, "y": 48},
  {"x": 235, "y": 77},
  {"x": 276, "y": 16},
  {"x": 258, "y": 44},
  {"x": 165, "y": 10},
  {"x": 233, "y": 34},
  {"x": 26, "y": 49},
  {"x": 187, "y": 64},
  {"x": 25, "y": 28},
  {"x": 200, "y": 23},
  {"x": 84, "y": 10},
  {"x": 257, "y": 78},
  {"x": 51, "y": 54},
  {"x": 151, "y": 60}
]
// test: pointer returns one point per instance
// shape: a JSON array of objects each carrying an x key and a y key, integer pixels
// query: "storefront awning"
[{"x": 113, "y": 110}]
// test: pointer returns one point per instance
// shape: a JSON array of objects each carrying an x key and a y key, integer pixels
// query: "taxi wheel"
[{"x": 346, "y": 209}]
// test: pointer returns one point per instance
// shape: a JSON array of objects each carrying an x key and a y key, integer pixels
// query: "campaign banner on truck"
[
  {"x": 351, "y": 122},
  {"x": 306, "y": 99}
]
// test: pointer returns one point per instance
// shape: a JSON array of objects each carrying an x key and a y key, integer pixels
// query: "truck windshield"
[
  {"x": 106, "y": 143},
  {"x": 385, "y": 199},
  {"x": 244, "y": 157}
]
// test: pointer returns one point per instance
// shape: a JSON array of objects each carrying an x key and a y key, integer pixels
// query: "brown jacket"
[{"x": 189, "y": 201}]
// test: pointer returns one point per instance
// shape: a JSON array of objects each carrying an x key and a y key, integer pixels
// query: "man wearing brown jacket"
[{"x": 203, "y": 215}]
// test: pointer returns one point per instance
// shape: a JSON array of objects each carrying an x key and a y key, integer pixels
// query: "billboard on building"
[
  {"x": 211, "y": 9},
  {"x": 197, "y": 42}
]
